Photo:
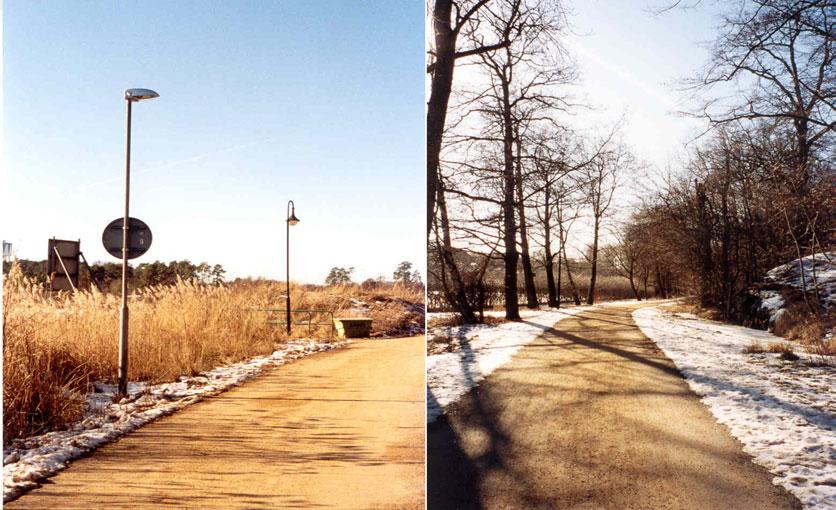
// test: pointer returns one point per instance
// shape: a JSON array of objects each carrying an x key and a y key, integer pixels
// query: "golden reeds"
[{"x": 56, "y": 345}]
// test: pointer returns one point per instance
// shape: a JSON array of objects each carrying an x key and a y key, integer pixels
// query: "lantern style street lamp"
[
  {"x": 291, "y": 220},
  {"x": 131, "y": 96}
]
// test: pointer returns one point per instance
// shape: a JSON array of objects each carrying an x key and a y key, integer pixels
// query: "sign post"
[{"x": 125, "y": 238}]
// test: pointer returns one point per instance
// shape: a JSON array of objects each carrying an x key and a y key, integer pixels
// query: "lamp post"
[
  {"x": 291, "y": 220},
  {"x": 131, "y": 96}
]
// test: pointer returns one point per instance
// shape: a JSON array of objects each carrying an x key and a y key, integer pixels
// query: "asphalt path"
[{"x": 590, "y": 415}]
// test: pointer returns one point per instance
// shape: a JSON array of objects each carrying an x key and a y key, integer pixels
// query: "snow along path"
[
  {"x": 345, "y": 427},
  {"x": 783, "y": 412},
  {"x": 485, "y": 347},
  {"x": 30, "y": 460}
]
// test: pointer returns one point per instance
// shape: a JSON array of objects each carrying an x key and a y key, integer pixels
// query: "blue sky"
[
  {"x": 632, "y": 63},
  {"x": 260, "y": 102}
]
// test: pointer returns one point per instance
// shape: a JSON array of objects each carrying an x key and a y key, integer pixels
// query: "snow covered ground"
[
  {"x": 25, "y": 462},
  {"x": 783, "y": 412},
  {"x": 821, "y": 266},
  {"x": 485, "y": 347}
]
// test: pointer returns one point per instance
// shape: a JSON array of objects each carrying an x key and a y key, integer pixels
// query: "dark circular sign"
[{"x": 139, "y": 238}]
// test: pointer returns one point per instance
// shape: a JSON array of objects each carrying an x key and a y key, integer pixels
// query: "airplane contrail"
[{"x": 173, "y": 164}]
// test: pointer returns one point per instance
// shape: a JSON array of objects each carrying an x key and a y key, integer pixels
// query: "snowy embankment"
[
  {"x": 484, "y": 348},
  {"x": 27, "y": 461},
  {"x": 783, "y": 412},
  {"x": 819, "y": 275}
]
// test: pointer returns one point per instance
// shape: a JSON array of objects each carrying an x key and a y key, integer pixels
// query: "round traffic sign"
[{"x": 139, "y": 238}]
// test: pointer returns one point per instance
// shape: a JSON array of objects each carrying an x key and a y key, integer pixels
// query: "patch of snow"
[
  {"x": 783, "y": 412},
  {"x": 771, "y": 300},
  {"x": 485, "y": 347},
  {"x": 28, "y": 461},
  {"x": 822, "y": 266},
  {"x": 358, "y": 306}
]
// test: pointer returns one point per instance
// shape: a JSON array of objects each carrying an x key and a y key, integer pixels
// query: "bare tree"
[
  {"x": 449, "y": 20},
  {"x": 522, "y": 78},
  {"x": 601, "y": 179},
  {"x": 779, "y": 55},
  {"x": 551, "y": 168},
  {"x": 626, "y": 257},
  {"x": 456, "y": 295}
]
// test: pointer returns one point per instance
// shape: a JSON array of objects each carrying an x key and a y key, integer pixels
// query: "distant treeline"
[
  {"x": 483, "y": 277},
  {"x": 108, "y": 275}
]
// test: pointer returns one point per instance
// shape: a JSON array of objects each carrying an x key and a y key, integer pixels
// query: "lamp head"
[
  {"x": 140, "y": 94},
  {"x": 292, "y": 219}
]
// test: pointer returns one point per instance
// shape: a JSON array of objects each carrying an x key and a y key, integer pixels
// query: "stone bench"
[{"x": 353, "y": 327}]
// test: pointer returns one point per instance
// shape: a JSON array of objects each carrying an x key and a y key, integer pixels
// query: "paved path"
[
  {"x": 341, "y": 429},
  {"x": 590, "y": 415}
]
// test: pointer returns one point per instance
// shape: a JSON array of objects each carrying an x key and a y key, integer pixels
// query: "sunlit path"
[
  {"x": 590, "y": 415},
  {"x": 342, "y": 429}
]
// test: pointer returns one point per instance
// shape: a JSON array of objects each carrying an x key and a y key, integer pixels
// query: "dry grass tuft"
[
  {"x": 55, "y": 345},
  {"x": 810, "y": 329},
  {"x": 784, "y": 350},
  {"x": 754, "y": 348},
  {"x": 688, "y": 305}
]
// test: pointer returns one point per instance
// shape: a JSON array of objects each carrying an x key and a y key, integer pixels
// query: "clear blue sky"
[{"x": 321, "y": 102}]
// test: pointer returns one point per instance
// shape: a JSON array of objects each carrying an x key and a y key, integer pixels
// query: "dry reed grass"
[
  {"x": 784, "y": 350},
  {"x": 55, "y": 345},
  {"x": 810, "y": 330}
]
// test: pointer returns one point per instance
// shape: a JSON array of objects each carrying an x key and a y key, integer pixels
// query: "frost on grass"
[
  {"x": 28, "y": 461},
  {"x": 482, "y": 348},
  {"x": 783, "y": 412}
]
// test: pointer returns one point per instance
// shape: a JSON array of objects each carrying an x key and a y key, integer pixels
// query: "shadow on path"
[{"x": 591, "y": 414}]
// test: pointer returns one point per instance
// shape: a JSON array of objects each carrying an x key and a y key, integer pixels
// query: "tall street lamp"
[
  {"x": 291, "y": 220},
  {"x": 131, "y": 96}
]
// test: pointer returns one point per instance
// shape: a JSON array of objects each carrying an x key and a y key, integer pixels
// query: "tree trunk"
[
  {"x": 575, "y": 295},
  {"x": 559, "y": 275},
  {"x": 547, "y": 245},
  {"x": 635, "y": 290},
  {"x": 460, "y": 301},
  {"x": 704, "y": 244},
  {"x": 440, "y": 87},
  {"x": 550, "y": 277},
  {"x": 528, "y": 272},
  {"x": 512, "y": 308},
  {"x": 590, "y": 296},
  {"x": 725, "y": 242}
]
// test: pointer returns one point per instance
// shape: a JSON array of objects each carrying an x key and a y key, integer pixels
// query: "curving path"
[
  {"x": 590, "y": 415},
  {"x": 341, "y": 429}
]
